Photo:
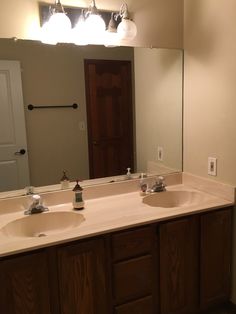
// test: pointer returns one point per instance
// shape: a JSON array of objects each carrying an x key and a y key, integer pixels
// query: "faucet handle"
[
  {"x": 161, "y": 179},
  {"x": 36, "y": 199}
]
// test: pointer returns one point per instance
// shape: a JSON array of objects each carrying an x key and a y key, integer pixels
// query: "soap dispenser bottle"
[
  {"x": 65, "y": 182},
  {"x": 78, "y": 202},
  {"x": 128, "y": 174}
]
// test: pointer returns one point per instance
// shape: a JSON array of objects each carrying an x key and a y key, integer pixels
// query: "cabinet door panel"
[
  {"x": 179, "y": 256},
  {"x": 24, "y": 285},
  {"x": 133, "y": 279},
  {"x": 141, "y": 306},
  {"x": 215, "y": 257},
  {"x": 82, "y": 283},
  {"x": 128, "y": 244}
]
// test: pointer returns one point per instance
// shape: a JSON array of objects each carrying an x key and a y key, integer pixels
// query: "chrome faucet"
[
  {"x": 36, "y": 207},
  {"x": 159, "y": 185}
]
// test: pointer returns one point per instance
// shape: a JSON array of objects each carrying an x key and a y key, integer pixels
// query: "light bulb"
[
  {"x": 95, "y": 28},
  {"x": 126, "y": 29},
  {"x": 47, "y": 36},
  {"x": 59, "y": 28},
  {"x": 111, "y": 39},
  {"x": 79, "y": 32}
]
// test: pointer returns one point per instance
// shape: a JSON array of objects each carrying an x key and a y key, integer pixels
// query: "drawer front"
[
  {"x": 132, "y": 243},
  {"x": 141, "y": 306},
  {"x": 133, "y": 279}
]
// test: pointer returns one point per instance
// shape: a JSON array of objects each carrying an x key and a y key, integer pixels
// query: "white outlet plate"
[
  {"x": 212, "y": 166},
  {"x": 159, "y": 153}
]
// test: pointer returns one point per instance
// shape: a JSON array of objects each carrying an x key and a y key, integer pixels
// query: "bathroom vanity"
[{"x": 125, "y": 257}]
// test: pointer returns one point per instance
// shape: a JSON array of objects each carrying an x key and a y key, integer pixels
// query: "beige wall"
[
  {"x": 159, "y": 22},
  {"x": 209, "y": 90},
  {"x": 55, "y": 76},
  {"x": 158, "y": 107}
]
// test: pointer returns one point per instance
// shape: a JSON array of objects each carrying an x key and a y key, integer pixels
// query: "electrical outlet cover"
[
  {"x": 160, "y": 153},
  {"x": 212, "y": 166}
]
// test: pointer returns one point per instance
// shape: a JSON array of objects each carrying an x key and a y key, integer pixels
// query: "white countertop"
[{"x": 103, "y": 215}]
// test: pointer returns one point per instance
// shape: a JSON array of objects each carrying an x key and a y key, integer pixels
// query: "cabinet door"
[
  {"x": 179, "y": 256},
  {"x": 135, "y": 271},
  {"x": 24, "y": 285},
  {"x": 215, "y": 257},
  {"x": 82, "y": 281}
]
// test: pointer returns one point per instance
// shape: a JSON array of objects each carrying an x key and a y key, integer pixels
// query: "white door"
[{"x": 14, "y": 170}]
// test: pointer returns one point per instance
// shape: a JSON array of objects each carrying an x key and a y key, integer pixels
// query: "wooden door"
[
  {"x": 82, "y": 280},
  {"x": 25, "y": 285},
  {"x": 110, "y": 117},
  {"x": 215, "y": 257},
  {"x": 14, "y": 171},
  {"x": 179, "y": 271}
]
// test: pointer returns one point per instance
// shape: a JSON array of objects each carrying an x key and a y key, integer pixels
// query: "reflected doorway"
[{"x": 109, "y": 117}]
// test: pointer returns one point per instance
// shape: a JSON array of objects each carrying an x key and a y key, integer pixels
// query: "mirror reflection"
[{"x": 129, "y": 112}]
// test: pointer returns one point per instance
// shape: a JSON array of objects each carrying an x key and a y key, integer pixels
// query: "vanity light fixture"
[
  {"x": 111, "y": 38},
  {"x": 90, "y": 27},
  {"x": 94, "y": 24},
  {"x": 58, "y": 28},
  {"x": 79, "y": 36},
  {"x": 126, "y": 29}
]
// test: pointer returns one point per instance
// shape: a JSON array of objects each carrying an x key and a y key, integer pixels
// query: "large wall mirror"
[{"x": 58, "y": 138}]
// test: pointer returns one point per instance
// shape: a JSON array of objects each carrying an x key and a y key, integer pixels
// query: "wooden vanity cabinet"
[
  {"x": 215, "y": 275},
  {"x": 179, "y": 266},
  {"x": 134, "y": 271},
  {"x": 82, "y": 278},
  {"x": 25, "y": 284},
  {"x": 67, "y": 279},
  {"x": 195, "y": 260}
]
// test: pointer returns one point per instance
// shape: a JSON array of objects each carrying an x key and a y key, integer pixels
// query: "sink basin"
[
  {"x": 39, "y": 225},
  {"x": 170, "y": 199}
]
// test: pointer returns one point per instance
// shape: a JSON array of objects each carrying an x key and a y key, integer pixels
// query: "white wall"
[
  {"x": 158, "y": 108},
  {"x": 209, "y": 90}
]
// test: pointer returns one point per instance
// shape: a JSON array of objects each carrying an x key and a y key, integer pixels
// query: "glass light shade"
[
  {"x": 126, "y": 29},
  {"x": 95, "y": 28},
  {"x": 79, "y": 33},
  {"x": 59, "y": 27},
  {"x": 47, "y": 36},
  {"x": 111, "y": 39}
]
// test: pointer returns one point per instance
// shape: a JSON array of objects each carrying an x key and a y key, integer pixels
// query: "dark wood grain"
[
  {"x": 24, "y": 285},
  {"x": 82, "y": 281},
  {"x": 140, "y": 306},
  {"x": 215, "y": 257},
  {"x": 179, "y": 260},
  {"x": 132, "y": 243},
  {"x": 132, "y": 279},
  {"x": 109, "y": 116}
]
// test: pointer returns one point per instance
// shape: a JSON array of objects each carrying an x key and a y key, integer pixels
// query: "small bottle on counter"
[
  {"x": 128, "y": 174},
  {"x": 65, "y": 182},
  {"x": 78, "y": 202},
  {"x": 143, "y": 185}
]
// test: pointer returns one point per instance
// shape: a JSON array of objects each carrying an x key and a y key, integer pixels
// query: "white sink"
[
  {"x": 169, "y": 199},
  {"x": 44, "y": 224}
]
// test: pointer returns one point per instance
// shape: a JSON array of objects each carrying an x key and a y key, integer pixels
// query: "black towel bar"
[{"x": 31, "y": 107}]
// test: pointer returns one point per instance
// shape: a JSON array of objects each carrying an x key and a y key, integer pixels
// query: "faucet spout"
[
  {"x": 159, "y": 185},
  {"x": 36, "y": 207}
]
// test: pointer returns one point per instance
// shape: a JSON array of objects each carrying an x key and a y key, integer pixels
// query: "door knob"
[{"x": 20, "y": 152}]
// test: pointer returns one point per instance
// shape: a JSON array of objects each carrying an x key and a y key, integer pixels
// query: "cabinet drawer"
[
  {"x": 141, "y": 306},
  {"x": 133, "y": 279},
  {"x": 132, "y": 243}
]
